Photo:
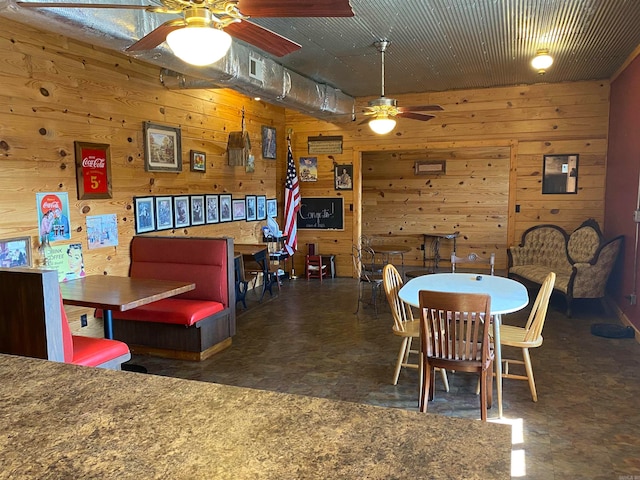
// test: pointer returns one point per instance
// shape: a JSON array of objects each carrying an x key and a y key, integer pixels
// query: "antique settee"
[{"x": 582, "y": 260}]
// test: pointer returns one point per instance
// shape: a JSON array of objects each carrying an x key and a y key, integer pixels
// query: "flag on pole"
[{"x": 291, "y": 204}]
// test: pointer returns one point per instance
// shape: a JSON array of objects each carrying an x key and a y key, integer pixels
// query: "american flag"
[{"x": 291, "y": 205}]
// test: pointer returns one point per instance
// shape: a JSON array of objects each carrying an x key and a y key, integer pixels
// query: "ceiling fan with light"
[
  {"x": 203, "y": 34},
  {"x": 385, "y": 110}
]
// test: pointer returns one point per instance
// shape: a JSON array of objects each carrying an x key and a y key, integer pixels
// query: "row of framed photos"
[{"x": 179, "y": 211}]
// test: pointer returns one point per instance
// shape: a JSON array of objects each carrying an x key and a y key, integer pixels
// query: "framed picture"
[
  {"x": 197, "y": 209},
  {"x": 164, "y": 213},
  {"x": 181, "y": 216},
  {"x": 261, "y": 207},
  {"x": 225, "y": 208},
  {"x": 308, "y": 169},
  {"x": 560, "y": 174},
  {"x": 212, "y": 210},
  {"x": 239, "y": 210},
  {"x": 343, "y": 175},
  {"x": 272, "y": 208},
  {"x": 198, "y": 161},
  {"x": 162, "y": 149},
  {"x": 145, "y": 221},
  {"x": 15, "y": 252},
  {"x": 251, "y": 207},
  {"x": 268, "y": 142},
  {"x": 93, "y": 170}
]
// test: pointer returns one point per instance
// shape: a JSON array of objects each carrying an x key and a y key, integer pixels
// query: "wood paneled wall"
[
  {"x": 55, "y": 91},
  {"x": 528, "y": 121}
]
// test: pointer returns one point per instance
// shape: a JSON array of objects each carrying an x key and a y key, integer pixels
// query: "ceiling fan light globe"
[
  {"x": 383, "y": 125},
  {"x": 199, "y": 46},
  {"x": 542, "y": 61}
]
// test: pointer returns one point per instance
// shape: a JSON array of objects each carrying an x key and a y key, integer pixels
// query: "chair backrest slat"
[
  {"x": 538, "y": 313},
  {"x": 473, "y": 258},
  {"x": 392, "y": 282}
]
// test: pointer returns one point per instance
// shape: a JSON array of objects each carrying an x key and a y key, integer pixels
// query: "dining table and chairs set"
[{"x": 448, "y": 305}]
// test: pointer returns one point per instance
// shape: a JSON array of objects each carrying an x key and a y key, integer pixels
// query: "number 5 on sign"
[{"x": 93, "y": 170}]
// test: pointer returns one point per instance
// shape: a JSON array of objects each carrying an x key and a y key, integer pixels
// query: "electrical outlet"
[
  {"x": 636, "y": 216},
  {"x": 632, "y": 298},
  {"x": 83, "y": 320}
]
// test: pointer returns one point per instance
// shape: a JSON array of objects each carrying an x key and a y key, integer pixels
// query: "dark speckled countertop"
[{"x": 61, "y": 421}]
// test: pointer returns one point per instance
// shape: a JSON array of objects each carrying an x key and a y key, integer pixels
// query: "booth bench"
[{"x": 195, "y": 324}]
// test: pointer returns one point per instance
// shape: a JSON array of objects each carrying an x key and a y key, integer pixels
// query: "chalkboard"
[{"x": 322, "y": 213}]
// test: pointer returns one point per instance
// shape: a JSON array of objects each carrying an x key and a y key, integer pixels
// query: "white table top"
[{"x": 507, "y": 295}]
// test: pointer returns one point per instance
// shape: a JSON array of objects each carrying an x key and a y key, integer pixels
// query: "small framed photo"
[
  {"x": 93, "y": 170},
  {"x": 272, "y": 208},
  {"x": 251, "y": 207},
  {"x": 181, "y": 216},
  {"x": 197, "y": 209},
  {"x": 212, "y": 210},
  {"x": 145, "y": 221},
  {"x": 239, "y": 210},
  {"x": 268, "y": 142},
  {"x": 343, "y": 176},
  {"x": 164, "y": 213},
  {"x": 225, "y": 208},
  {"x": 162, "y": 148},
  {"x": 15, "y": 252},
  {"x": 560, "y": 174},
  {"x": 261, "y": 207},
  {"x": 198, "y": 161}
]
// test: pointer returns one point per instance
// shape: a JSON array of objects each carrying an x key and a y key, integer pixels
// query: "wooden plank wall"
[
  {"x": 529, "y": 120},
  {"x": 56, "y": 91}
]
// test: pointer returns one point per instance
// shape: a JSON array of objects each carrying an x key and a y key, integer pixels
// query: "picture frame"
[
  {"x": 181, "y": 210},
  {"x": 164, "y": 213},
  {"x": 198, "y": 161},
  {"x": 212, "y": 209},
  {"x": 560, "y": 174},
  {"x": 144, "y": 212},
  {"x": 250, "y": 208},
  {"x": 93, "y": 170},
  {"x": 343, "y": 177},
  {"x": 308, "y": 169},
  {"x": 430, "y": 167},
  {"x": 225, "y": 208},
  {"x": 197, "y": 210},
  {"x": 239, "y": 209},
  {"x": 261, "y": 207},
  {"x": 162, "y": 148},
  {"x": 15, "y": 252},
  {"x": 272, "y": 208},
  {"x": 269, "y": 146}
]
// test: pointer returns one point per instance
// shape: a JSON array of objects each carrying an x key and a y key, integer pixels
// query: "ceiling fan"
[
  {"x": 211, "y": 17},
  {"x": 384, "y": 110}
]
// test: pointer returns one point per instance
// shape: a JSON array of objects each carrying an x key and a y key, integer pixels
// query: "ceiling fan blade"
[
  {"x": 157, "y": 36},
  {"x": 295, "y": 8},
  {"x": 150, "y": 8},
  {"x": 262, "y": 38},
  {"x": 415, "y": 116},
  {"x": 421, "y": 108}
]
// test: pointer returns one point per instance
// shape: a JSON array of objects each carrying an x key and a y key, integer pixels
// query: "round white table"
[{"x": 506, "y": 296}]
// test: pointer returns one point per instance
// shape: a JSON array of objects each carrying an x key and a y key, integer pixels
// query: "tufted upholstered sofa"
[{"x": 582, "y": 260}]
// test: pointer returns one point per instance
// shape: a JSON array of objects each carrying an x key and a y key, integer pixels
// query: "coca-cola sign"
[{"x": 93, "y": 170}]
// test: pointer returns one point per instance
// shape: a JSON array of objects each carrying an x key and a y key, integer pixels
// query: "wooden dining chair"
[
  {"x": 473, "y": 258},
  {"x": 404, "y": 325},
  {"x": 528, "y": 337},
  {"x": 314, "y": 268},
  {"x": 454, "y": 335}
]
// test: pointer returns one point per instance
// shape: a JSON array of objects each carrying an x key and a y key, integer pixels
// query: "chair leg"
[
  {"x": 490, "y": 386},
  {"x": 401, "y": 356},
  {"x": 529, "y": 369},
  {"x": 445, "y": 379},
  {"x": 483, "y": 395},
  {"x": 424, "y": 387}
]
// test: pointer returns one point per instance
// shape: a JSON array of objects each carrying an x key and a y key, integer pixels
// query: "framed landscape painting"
[{"x": 162, "y": 149}]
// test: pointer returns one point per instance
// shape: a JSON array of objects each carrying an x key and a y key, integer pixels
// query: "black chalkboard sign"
[{"x": 321, "y": 213}]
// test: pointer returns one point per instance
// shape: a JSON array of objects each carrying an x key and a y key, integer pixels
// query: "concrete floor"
[{"x": 306, "y": 340}]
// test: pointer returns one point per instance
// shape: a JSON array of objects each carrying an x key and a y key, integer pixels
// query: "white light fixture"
[
  {"x": 542, "y": 61},
  {"x": 382, "y": 124},
  {"x": 199, "y": 45}
]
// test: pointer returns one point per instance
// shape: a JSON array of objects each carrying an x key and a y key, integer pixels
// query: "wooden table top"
[
  {"x": 119, "y": 293},
  {"x": 390, "y": 249},
  {"x": 248, "y": 249}
]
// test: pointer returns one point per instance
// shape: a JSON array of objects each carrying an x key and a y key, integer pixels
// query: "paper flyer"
[
  {"x": 102, "y": 231},
  {"x": 67, "y": 260},
  {"x": 53, "y": 217}
]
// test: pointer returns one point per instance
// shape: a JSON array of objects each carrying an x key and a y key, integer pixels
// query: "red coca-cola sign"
[{"x": 93, "y": 170}]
